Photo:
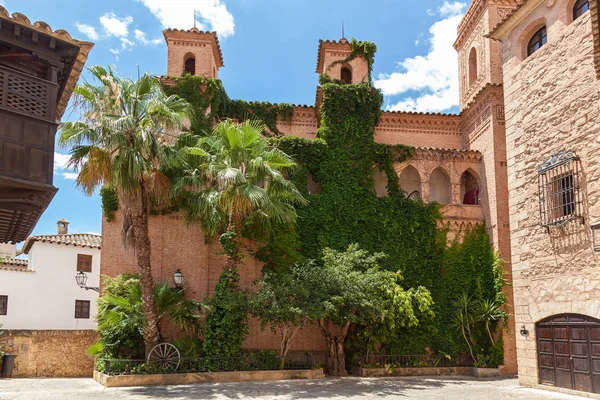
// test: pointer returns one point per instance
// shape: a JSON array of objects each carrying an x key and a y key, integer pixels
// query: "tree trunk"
[
  {"x": 141, "y": 241},
  {"x": 336, "y": 355},
  {"x": 287, "y": 336}
]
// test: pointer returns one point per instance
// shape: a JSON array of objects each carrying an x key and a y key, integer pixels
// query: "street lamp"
[
  {"x": 81, "y": 279},
  {"x": 178, "y": 278}
]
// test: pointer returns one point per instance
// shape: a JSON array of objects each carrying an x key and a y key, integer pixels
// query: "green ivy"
[
  {"x": 363, "y": 49},
  {"x": 110, "y": 202}
]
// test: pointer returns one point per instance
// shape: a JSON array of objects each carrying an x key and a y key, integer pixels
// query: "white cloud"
[
  {"x": 115, "y": 26},
  {"x": 141, "y": 37},
  {"x": 452, "y": 9},
  {"x": 87, "y": 30},
  {"x": 434, "y": 76},
  {"x": 213, "y": 14},
  {"x": 60, "y": 166}
]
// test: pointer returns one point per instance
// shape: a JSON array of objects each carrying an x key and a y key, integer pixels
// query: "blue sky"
[{"x": 269, "y": 49}]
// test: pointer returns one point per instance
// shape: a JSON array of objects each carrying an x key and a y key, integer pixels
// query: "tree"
[
  {"x": 281, "y": 302},
  {"x": 119, "y": 142},
  {"x": 350, "y": 288},
  {"x": 235, "y": 182}
]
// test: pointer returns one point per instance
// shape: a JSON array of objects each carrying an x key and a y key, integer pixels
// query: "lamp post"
[
  {"x": 81, "y": 279},
  {"x": 178, "y": 278}
]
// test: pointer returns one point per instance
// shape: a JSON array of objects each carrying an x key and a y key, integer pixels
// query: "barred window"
[
  {"x": 559, "y": 189},
  {"x": 82, "y": 309},
  {"x": 3, "y": 305}
]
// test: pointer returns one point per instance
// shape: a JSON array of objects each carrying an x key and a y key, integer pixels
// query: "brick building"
[
  {"x": 550, "y": 61},
  {"x": 460, "y": 161}
]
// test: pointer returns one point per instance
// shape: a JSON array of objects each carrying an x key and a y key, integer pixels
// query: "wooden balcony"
[{"x": 27, "y": 130}]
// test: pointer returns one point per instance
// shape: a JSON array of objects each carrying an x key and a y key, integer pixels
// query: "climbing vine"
[
  {"x": 363, "y": 49},
  {"x": 110, "y": 202}
]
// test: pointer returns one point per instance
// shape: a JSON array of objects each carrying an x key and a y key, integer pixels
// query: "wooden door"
[{"x": 568, "y": 347}]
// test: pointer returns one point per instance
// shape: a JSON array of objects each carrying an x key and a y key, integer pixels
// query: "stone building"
[
  {"x": 460, "y": 162},
  {"x": 550, "y": 62}
]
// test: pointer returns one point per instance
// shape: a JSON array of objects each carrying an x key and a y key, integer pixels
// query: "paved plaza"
[{"x": 328, "y": 389}]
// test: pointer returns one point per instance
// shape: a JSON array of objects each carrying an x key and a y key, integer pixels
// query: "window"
[
  {"x": 580, "y": 7},
  {"x": 84, "y": 262},
  {"x": 472, "y": 66},
  {"x": 346, "y": 75},
  {"x": 190, "y": 64},
  {"x": 559, "y": 190},
  {"x": 82, "y": 309},
  {"x": 538, "y": 40},
  {"x": 3, "y": 305}
]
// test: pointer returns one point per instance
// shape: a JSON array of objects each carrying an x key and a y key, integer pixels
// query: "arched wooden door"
[{"x": 568, "y": 347}]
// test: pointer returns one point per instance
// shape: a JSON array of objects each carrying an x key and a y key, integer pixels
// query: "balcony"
[{"x": 27, "y": 129}]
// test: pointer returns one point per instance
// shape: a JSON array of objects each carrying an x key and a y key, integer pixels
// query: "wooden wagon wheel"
[
  {"x": 414, "y": 195},
  {"x": 165, "y": 356}
]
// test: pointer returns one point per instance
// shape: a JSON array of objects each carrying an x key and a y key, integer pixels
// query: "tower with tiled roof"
[{"x": 193, "y": 51}]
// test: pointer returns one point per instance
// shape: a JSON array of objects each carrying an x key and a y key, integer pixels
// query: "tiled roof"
[
  {"x": 199, "y": 32},
  {"x": 62, "y": 35},
  {"x": 76, "y": 239},
  {"x": 14, "y": 264}
]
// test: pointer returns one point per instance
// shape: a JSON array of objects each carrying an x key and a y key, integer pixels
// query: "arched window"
[
  {"x": 469, "y": 189},
  {"x": 537, "y": 40},
  {"x": 439, "y": 187},
  {"x": 580, "y": 7},
  {"x": 410, "y": 181},
  {"x": 472, "y": 66},
  {"x": 346, "y": 75},
  {"x": 190, "y": 64}
]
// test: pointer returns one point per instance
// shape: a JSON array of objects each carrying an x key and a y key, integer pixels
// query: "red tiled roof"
[
  {"x": 77, "y": 239},
  {"x": 13, "y": 264}
]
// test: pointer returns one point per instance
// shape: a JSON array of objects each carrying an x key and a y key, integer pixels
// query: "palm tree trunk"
[{"x": 141, "y": 241}]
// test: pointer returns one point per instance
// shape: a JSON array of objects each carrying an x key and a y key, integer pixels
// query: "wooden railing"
[{"x": 27, "y": 94}]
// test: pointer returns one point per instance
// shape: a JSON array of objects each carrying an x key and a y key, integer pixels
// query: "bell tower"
[
  {"x": 331, "y": 53},
  {"x": 194, "y": 52}
]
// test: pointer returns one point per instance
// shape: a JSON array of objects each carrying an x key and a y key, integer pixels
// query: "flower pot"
[{"x": 8, "y": 363}]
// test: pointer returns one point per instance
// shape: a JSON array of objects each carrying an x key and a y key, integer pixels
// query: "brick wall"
[
  {"x": 176, "y": 245},
  {"x": 552, "y": 104},
  {"x": 50, "y": 353}
]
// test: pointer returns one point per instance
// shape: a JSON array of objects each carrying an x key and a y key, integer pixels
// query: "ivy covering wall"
[{"x": 342, "y": 161}]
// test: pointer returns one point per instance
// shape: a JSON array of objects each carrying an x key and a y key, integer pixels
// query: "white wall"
[
  {"x": 45, "y": 298},
  {"x": 8, "y": 250}
]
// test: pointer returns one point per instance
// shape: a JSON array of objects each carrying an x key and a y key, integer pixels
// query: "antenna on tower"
[
  {"x": 194, "y": 17},
  {"x": 343, "y": 36}
]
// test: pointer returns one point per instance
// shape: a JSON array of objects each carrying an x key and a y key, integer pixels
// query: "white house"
[{"x": 41, "y": 293}]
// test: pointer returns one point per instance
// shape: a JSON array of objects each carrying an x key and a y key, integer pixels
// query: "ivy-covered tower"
[
  {"x": 331, "y": 61},
  {"x": 193, "y": 51}
]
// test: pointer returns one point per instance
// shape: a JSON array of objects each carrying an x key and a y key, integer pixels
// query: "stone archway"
[{"x": 568, "y": 352}]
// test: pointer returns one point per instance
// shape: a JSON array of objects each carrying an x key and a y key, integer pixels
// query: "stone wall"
[
  {"x": 50, "y": 353},
  {"x": 552, "y": 104}
]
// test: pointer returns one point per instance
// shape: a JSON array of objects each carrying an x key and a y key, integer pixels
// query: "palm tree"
[
  {"x": 235, "y": 182},
  {"x": 118, "y": 141}
]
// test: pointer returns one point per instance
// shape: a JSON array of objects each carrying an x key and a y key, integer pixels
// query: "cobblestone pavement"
[{"x": 346, "y": 388}]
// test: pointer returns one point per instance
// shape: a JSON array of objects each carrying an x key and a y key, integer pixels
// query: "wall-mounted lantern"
[
  {"x": 523, "y": 330},
  {"x": 596, "y": 235},
  {"x": 178, "y": 278},
  {"x": 81, "y": 279}
]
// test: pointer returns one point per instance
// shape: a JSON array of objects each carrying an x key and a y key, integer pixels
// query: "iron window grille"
[
  {"x": 560, "y": 190},
  {"x": 3, "y": 305}
]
